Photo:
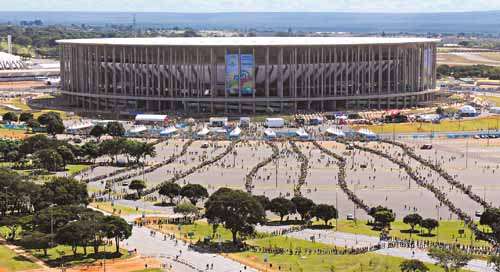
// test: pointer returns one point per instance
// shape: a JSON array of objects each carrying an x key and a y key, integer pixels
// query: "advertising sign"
[
  {"x": 247, "y": 74},
  {"x": 232, "y": 71}
]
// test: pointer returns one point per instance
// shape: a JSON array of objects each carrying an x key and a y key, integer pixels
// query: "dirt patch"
[
  {"x": 133, "y": 264},
  {"x": 19, "y": 85}
]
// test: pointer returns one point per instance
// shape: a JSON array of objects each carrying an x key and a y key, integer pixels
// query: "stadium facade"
[{"x": 247, "y": 75}]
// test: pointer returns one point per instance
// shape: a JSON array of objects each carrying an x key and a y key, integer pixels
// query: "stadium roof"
[{"x": 247, "y": 41}]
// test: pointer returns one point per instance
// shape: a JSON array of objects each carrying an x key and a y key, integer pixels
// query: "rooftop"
[{"x": 247, "y": 41}]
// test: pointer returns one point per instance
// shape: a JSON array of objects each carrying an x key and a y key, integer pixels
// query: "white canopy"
[
  {"x": 168, "y": 131},
  {"x": 235, "y": 133},
  {"x": 302, "y": 133},
  {"x": 468, "y": 109},
  {"x": 137, "y": 129},
  {"x": 270, "y": 133},
  {"x": 80, "y": 126},
  {"x": 335, "y": 131},
  {"x": 366, "y": 132},
  {"x": 150, "y": 117},
  {"x": 203, "y": 132}
]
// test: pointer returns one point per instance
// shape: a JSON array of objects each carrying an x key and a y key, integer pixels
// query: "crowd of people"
[
  {"x": 304, "y": 166},
  {"x": 426, "y": 244},
  {"x": 249, "y": 177},
  {"x": 445, "y": 175},
  {"x": 193, "y": 169},
  {"x": 341, "y": 163},
  {"x": 313, "y": 251},
  {"x": 440, "y": 195}
]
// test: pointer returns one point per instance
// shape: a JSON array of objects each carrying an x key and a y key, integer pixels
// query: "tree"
[
  {"x": 450, "y": 260},
  {"x": 304, "y": 207},
  {"x": 98, "y": 131},
  {"x": 13, "y": 224},
  {"x": 170, "y": 190},
  {"x": 90, "y": 150},
  {"x": 66, "y": 154},
  {"x": 116, "y": 228},
  {"x": 238, "y": 211},
  {"x": 186, "y": 209},
  {"x": 112, "y": 148},
  {"x": 282, "y": 207},
  {"x": 65, "y": 191},
  {"x": 194, "y": 192},
  {"x": 115, "y": 129},
  {"x": 413, "y": 266},
  {"x": 33, "y": 124},
  {"x": 429, "y": 224},
  {"x": 325, "y": 212},
  {"x": 137, "y": 185},
  {"x": 412, "y": 220},
  {"x": 494, "y": 261},
  {"x": 491, "y": 218},
  {"x": 37, "y": 240},
  {"x": 25, "y": 116},
  {"x": 9, "y": 117},
  {"x": 264, "y": 201},
  {"x": 49, "y": 159},
  {"x": 53, "y": 122},
  {"x": 73, "y": 234},
  {"x": 382, "y": 215}
]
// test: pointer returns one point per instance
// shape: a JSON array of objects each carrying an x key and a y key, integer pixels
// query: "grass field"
[
  {"x": 119, "y": 209},
  {"x": 445, "y": 126},
  {"x": 446, "y": 232},
  {"x": 339, "y": 263},
  {"x": 62, "y": 254},
  {"x": 10, "y": 261}
]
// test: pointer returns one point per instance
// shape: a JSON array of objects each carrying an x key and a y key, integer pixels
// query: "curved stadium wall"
[{"x": 246, "y": 75}]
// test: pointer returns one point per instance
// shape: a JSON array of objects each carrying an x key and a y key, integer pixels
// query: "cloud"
[{"x": 252, "y": 5}]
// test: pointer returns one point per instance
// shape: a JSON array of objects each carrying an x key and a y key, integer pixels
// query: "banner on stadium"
[
  {"x": 247, "y": 74},
  {"x": 232, "y": 74}
]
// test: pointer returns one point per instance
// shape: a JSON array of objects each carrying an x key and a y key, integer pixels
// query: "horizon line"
[{"x": 263, "y": 12}]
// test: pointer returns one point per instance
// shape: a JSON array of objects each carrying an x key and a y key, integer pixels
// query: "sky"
[{"x": 251, "y": 5}]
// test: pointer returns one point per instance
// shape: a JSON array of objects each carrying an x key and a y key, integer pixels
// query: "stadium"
[{"x": 247, "y": 75}]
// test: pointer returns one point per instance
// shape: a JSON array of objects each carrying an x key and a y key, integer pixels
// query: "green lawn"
[
  {"x": 74, "y": 168},
  {"x": 287, "y": 242},
  {"x": 200, "y": 229},
  {"x": 10, "y": 261},
  {"x": 444, "y": 126},
  {"x": 62, "y": 254},
  {"x": 339, "y": 263},
  {"x": 448, "y": 231},
  {"x": 119, "y": 209}
]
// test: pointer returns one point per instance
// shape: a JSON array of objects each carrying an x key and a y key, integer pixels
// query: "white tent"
[
  {"x": 150, "y": 118},
  {"x": 335, "y": 132},
  {"x": 203, "y": 132},
  {"x": 80, "y": 126},
  {"x": 495, "y": 110},
  {"x": 235, "y": 132},
  {"x": 168, "y": 131},
  {"x": 366, "y": 132},
  {"x": 270, "y": 133},
  {"x": 467, "y": 109},
  {"x": 137, "y": 129},
  {"x": 302, "y": 133}
]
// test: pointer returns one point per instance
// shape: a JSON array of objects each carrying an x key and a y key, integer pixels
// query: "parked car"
[{"x": 426, "y": 147}]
